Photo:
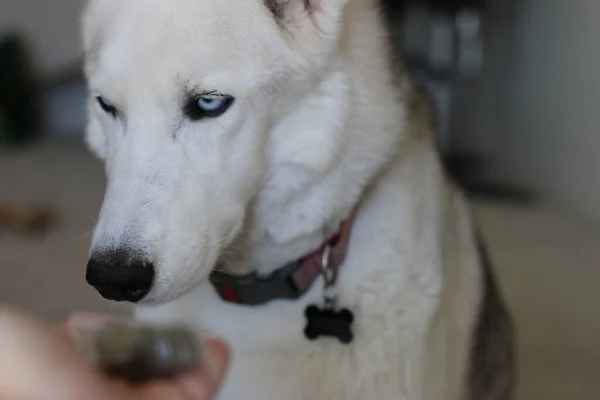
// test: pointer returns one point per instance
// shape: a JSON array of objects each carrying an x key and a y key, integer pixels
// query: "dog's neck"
[
  {"x": 324, "y": 151},
  {"x": 323, "y": 158}
]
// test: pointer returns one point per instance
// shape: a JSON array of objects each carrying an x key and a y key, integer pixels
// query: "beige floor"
[{"x": 548, "y": 265}]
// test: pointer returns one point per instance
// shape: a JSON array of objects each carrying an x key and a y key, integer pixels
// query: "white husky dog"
[{"x": 262, "y": 157}]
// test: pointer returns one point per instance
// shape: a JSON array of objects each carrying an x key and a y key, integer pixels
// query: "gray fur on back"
[{"x": 492, "y": 370}]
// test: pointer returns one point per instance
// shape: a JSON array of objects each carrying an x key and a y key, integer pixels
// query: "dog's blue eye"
[
  {"x": 211, "y": 104},
  {"x": 208, "y": 106},
  {"x": 106, "y": 106}
]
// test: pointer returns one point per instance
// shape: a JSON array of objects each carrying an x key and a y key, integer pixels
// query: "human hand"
[{"x": 41, "y": 362}]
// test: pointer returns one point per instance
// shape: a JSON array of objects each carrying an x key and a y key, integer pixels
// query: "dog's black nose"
[{"x": 119, "y": 277}]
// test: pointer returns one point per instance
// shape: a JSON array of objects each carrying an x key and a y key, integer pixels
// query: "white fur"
[{"x": 318, "y": 125}]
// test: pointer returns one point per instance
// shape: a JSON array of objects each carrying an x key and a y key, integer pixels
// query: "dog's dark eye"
[
  {"x": 106, "y": 106},
  {"x": 208, "y": 106}
]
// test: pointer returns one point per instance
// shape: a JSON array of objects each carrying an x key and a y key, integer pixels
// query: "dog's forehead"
[{"x": 201, "y": 40}]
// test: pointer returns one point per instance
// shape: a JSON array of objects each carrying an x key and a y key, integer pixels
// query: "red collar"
[{"x": 291, "y": 281}]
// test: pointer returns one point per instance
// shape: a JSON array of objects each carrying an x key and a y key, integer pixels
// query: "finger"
[
  {"x": 198, "y": 385},
  {"x": 207, "y": 382},
  {"x": 219, "y": 355},
  {"x": 89, "y": 321},
  {"x": 150, "y": 391},
  {"x": 77, "y": 331},
  {"x": 62, "y": 332},
  {"x": 80, "y": 324}
]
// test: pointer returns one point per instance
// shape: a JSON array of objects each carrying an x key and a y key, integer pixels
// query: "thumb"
[{"x": 38, "y": 363}]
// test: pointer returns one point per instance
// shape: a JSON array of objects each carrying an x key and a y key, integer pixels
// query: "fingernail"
[
  {"x": 194, "y": 386},
  {"x": 80, "y": 324},
  {"x": 217, "y": 358},
  {"x": 89, "y": 319},
  {"x": 199, "y": 386}
]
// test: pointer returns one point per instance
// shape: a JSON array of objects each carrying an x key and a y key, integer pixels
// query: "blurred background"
[{"x": 515, "y": 85}]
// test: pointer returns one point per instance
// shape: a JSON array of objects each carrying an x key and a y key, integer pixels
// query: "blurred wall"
[
  {"x": 535, "y": 112},
  {"x": 532, "y": 112},
  {"x": 51, "y": 27}
]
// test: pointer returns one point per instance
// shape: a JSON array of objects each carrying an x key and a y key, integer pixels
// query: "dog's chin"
[
  {"x": 154, "y": 301},
  {"x": 161, "y": 299},
  {"x": 162, "y": 295}
]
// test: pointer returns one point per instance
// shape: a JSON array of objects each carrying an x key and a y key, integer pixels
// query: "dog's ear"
[
  {"x": 290, "y": 11},
  {"x": 313, "y": 26}
]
